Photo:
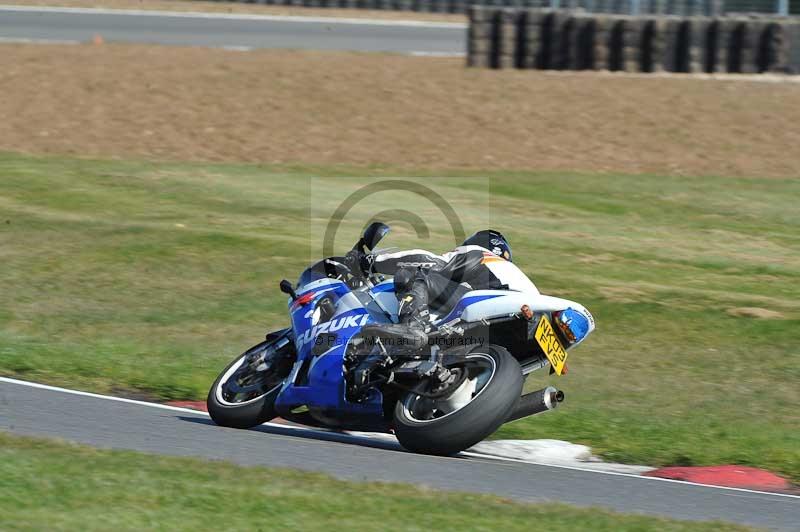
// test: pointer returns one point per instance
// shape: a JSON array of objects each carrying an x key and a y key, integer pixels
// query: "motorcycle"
[{"x": 344, "y": 364}]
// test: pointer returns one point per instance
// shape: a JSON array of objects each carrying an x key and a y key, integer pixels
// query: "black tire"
[
  {"x": 472, "y": 423},
  {"x": 252, "y": 413}
]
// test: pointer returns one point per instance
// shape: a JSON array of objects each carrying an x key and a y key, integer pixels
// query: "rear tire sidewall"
[
  {"x": 472, "y": 423},
  {"x": 246, "y": 415}
]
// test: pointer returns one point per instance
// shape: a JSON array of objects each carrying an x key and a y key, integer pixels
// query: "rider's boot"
[{"x": 412, "y": 313}]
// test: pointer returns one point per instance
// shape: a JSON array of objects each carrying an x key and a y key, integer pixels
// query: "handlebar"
[{"x": 360, "y": 265}]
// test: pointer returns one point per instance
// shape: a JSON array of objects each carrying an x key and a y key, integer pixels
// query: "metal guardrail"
[{"x": 711, "y": 8}]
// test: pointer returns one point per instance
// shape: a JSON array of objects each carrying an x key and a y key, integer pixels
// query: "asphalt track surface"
[
  {"x": 73, "y": 25},
  {"x": 124, "y": 424}
]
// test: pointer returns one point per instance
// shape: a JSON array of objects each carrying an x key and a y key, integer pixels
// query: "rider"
[{"x": 482, "y": 262}]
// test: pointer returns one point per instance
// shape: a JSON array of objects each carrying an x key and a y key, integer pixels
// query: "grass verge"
[
  {"x": 45, "y": 487},
  {"x": 147, "y": 278}
]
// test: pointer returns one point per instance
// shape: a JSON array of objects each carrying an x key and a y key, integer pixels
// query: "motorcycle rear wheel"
[
  {"x": 473, "y": 411},
  {"x": 242, "y": 397}
]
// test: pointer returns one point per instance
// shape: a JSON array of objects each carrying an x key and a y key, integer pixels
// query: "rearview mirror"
[
  {"x": 373, "y": 234},
  {"x": 287, "y": 288}
]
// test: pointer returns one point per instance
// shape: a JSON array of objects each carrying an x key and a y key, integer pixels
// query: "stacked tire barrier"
[{"x": 562, "y": 40}]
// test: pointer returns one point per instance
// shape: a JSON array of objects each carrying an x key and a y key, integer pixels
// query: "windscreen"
[{"x": 330, "y": 268}]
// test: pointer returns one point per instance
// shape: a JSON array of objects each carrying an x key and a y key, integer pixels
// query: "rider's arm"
[
  {"x": 465, "y": 264},
  {"x": 389, "y": 263}
]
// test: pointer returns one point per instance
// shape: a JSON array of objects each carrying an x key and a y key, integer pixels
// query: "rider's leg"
[
  {"x": 443, "y": 292},
  {"x": 412, "y": 295}
]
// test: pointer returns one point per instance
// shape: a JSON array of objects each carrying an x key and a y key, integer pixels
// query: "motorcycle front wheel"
[
  {"x": 244, "y": 394},
  {"x": 488, "y": 388}
]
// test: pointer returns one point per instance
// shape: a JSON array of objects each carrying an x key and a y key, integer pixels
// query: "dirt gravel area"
[
  {"x": 172, "y": 103},
  {"x": 231, "y": 7}
]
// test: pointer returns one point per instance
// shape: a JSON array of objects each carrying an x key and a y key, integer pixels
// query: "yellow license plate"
[{"x": 551, "y": 345}]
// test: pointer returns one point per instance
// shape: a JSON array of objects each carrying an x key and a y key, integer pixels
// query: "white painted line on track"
[
  {"x": 693, "y": 76},
  {"x": 616, "y": 474},
  {"x": 437, "y": 54},
  {"x": 99, "y": 396},
  {"x": 233, "y": 16},
  {"x": 234, "y": 48},
  {"x": 328, "y": 433},
  {"x": 23, "y": 40},
  {"x": 154, "y": 405}
]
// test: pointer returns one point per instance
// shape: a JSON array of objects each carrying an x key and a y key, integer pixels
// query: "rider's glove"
[
  {"x": 353, "y": 261},
  {"x": 366, "y": 261}
]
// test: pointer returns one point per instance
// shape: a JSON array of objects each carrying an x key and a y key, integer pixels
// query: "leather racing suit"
[{"x": 424, "y": 280}]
